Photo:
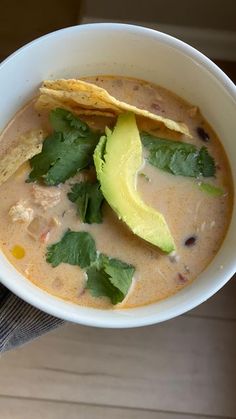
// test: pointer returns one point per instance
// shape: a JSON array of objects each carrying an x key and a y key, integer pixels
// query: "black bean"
[
  {"x": 182, "y": 279},
  {"x": 203, "y": 134},
  {"x": 190, "y": 241}
]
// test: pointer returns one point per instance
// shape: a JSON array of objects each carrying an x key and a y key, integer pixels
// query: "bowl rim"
[
  {"x": 60, "y": 309},
  {"x": 164, "y": 37}
]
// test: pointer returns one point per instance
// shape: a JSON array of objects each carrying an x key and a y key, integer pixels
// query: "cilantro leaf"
[
  {"x": 88, "y": 198},
  {"x": 178, "y": 158},
  {"x": 110, "y": 277},
  {"x": 75, "y": 248},
  {"x": 99, "y": 284},
  {"x": 206, "y": 163},
  {"x": 211, "y": 189},
  {"x": 184, "y": 163},
  {"x": 105, "y": 276},
  {"x": 120, "y": 273},
  {"x": 64, "y": 153},
  {"x": 64, "y": 121}
]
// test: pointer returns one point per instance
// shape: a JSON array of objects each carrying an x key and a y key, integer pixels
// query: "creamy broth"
[{"x": 189, "y": 212}]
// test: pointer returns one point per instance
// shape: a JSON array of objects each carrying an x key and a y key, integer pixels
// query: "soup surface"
[{"x": 197, "y": 220}]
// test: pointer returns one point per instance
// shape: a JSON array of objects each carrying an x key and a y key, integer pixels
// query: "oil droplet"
[{"x": 18, "y": 252}]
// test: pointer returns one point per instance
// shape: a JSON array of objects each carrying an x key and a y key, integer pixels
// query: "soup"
[{"x": 34, "y": 216}]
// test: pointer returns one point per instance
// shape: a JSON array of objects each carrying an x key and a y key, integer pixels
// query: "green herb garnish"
[
  {"x": 106, "y": 276},
  {"x": 178, "y": 158},
  {"x": 64, "y": 121},
  {"x": 88, "y": 198},
  {"x": 75, "y": 248},
  {"x": 66, "y": 151},
  {"x": 111, "y": 278},
  {"x": 211, "y": 189}
]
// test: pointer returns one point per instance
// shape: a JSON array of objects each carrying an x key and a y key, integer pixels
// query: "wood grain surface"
[
  {"x": 43, "y": 409},
  {"x": 179, "y": 368}
]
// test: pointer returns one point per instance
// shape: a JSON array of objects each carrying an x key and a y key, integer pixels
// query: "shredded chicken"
[
  {"x": 20, "y": 213},
  {"x": 46, "y": 197},
  {"x": 40, "y": 228}
]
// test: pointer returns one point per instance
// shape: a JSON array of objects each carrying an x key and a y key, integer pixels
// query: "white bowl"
[{"x": 156, "y": 57}]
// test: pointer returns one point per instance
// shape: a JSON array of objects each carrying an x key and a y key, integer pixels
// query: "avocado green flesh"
[{"x": 117, "y": 171}]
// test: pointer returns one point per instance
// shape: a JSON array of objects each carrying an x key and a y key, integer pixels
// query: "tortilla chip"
[
  {"x": 28, "y": 145},
  {"x": 46, "y": 101},
  {"x": 78, "y": 93}
]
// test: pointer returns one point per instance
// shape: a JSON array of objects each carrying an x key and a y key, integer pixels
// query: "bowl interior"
[{"x": 155, "y": 57}]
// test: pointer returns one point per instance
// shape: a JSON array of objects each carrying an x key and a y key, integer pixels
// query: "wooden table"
[{"x": 183, "y": 368}]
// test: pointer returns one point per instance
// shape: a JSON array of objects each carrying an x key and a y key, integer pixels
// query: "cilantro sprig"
[
  {"x": 178, "y": 158},
  {"x": 66, "y": 122},
  {"x": 66, "y": 151},
  {"x": 88, "y": 199},
  {"x": 106, "y": 276},
  {"x": 75, "y": 248},
  {"x": 110, "y": 277}
]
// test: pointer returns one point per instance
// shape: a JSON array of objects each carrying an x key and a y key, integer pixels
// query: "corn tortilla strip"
[
  {"x": 49, "y": 102},
  {"x": 87, "y": 95},
  {"x": 28, "y": 145}
]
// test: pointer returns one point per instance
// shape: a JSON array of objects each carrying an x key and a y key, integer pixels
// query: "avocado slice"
[{"x": 117, "y": 159}]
